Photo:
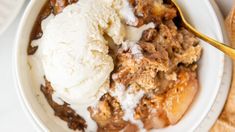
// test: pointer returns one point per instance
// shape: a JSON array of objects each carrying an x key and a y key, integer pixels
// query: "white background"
[{"x": 12, "y": 116}]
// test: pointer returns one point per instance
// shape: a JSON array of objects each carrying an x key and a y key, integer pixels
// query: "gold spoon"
[{"x": 221, "y": 46}]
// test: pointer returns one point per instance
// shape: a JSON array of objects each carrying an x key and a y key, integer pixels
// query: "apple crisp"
[{"x": 153, "y": 83}]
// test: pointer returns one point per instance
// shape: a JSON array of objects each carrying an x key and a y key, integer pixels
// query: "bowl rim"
[
  {"x": 26, "y": 105},
  {"x": 23, "y": 101},
  {"x": 226, "y": 77}
]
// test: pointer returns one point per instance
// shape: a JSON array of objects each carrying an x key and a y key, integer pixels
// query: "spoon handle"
[{"x": 221, "y": 46}]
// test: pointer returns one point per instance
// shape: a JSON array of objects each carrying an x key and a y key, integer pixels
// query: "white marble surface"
[{"x": 12, "y": 116}]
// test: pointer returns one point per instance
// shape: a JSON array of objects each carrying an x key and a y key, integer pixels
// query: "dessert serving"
[{"x": 115, "y": 65}]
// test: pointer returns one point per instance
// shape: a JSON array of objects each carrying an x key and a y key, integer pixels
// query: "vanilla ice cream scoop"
[{"x": 74, "y": 53}]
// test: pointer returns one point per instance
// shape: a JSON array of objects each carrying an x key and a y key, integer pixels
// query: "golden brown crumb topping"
[
  {"x": 160, "y": 110},
  {"x": 59, "y": 5},
  {"x": 162, "y": 51},
  {"x": 153, "y": 11},
  {"x": 109, "y": 114}
]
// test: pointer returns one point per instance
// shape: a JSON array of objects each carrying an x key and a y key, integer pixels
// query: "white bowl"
[{"x": 211, "y": 72}]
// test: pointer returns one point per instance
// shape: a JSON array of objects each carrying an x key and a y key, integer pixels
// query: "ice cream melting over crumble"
[
  {"x": 129, "y": 99},
  {"x": 74, "y": 53}
]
